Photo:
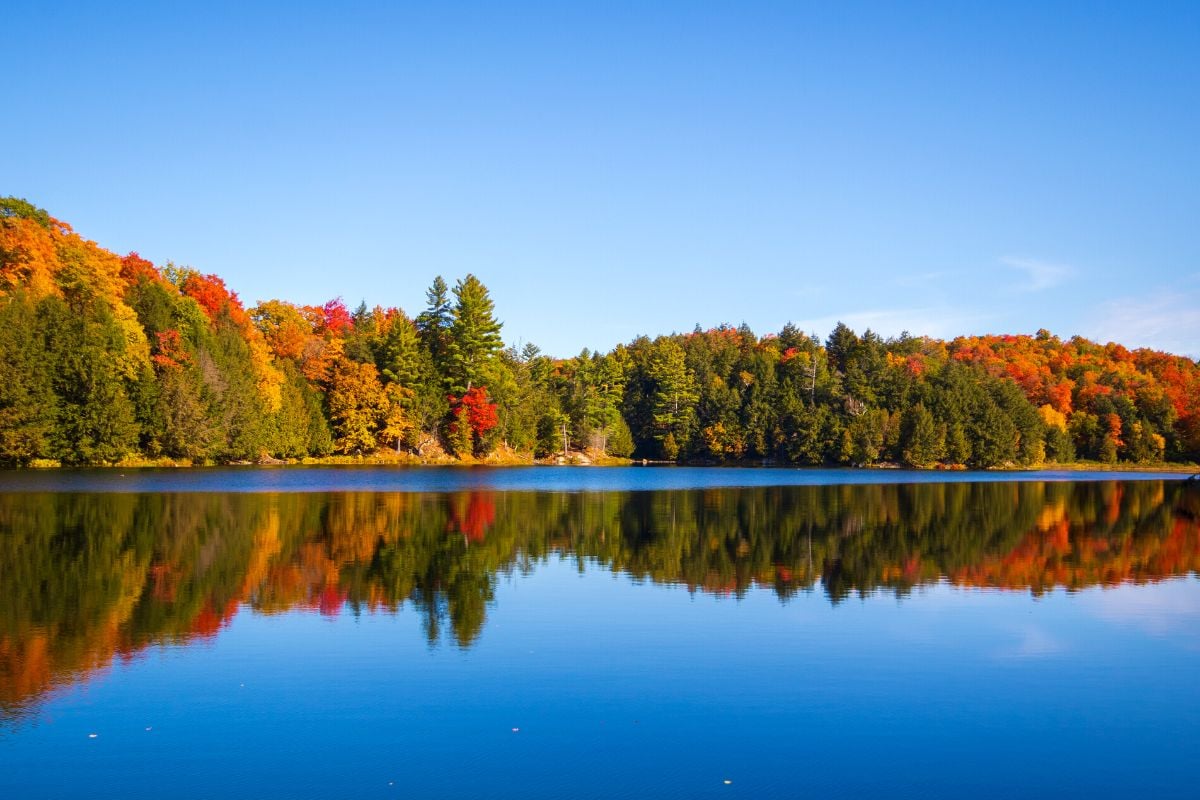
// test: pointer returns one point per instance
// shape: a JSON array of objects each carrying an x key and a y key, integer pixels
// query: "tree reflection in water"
[{"x": 91, "y": 578}]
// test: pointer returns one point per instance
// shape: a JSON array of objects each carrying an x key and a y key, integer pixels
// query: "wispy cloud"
[
  {"x": 1032, "y": 642},
  {"x": 926, "y": 278},
  {"x": 1164, "y": 320},
  {"x": 1169, "y": 608},
  {"x": 937, "y": 321},
  {"x": 1039, "y": 274}
]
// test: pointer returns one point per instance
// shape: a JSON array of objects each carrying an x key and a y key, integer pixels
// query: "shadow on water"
[{"x": 90, "y": 578}]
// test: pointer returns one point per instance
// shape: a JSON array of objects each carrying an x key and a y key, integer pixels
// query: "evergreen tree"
[
  {"x": 28, "y": 406},
  {"x": 434, "y": 322},
  {"x": 958, "y": 446},
  {"x": 993, "y": 435},
  {"x": 397, "y": 352},
  {"x": 474, "y": 335},
  {"x": 1059, "y": 447},
  {"x": 96, "y": 421},
  {"x": 923, "y": 439},
  {"x": 863, "y": 438},
  {"x": 291, "y": 436},
  {"x": 673, "y": 398}
]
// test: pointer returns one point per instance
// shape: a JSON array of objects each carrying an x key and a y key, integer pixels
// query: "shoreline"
[{"x": 581, "y": 460}]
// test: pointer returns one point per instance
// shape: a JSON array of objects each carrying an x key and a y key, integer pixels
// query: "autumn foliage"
[
  {"x": 178, "y": 567},
  {"x": 105, "y": 358}
]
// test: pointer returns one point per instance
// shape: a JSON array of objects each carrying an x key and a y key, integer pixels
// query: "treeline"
[
  {"x": 92, "y": 576},
  {"x": 105, "y": 359}
]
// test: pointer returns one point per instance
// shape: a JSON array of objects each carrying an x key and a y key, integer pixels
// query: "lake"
[{"x": 597, "y": 632}]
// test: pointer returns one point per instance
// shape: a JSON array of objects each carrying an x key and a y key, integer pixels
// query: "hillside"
[{"x": 111, "y": 359}]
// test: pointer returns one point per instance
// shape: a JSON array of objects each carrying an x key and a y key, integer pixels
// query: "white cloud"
[
  {"x": 1165, "y": 320},
  {"x": 1039, "y": 275},
  {"x": 938, "y": 321},
  {"x": 1170, "y": 608},
  {"x": 1032, "y": 642},
  {"x": 926, "y": 278}
]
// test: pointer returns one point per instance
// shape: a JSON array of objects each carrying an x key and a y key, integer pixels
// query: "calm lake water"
[{"x": 384, "y": 633}]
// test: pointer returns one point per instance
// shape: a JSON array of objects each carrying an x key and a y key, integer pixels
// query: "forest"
[{"x": 108, "y": 359}]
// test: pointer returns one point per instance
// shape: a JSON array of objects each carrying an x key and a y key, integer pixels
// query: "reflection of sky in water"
[
  {"x": 877, "y": 675},
  {"x": 544, "y": 479},
  {"x": 626, "y": 689},
  {"x": 1167, "y": 609}
]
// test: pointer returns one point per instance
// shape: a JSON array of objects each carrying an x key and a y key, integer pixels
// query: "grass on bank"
[{"x": 507, "y": 457}]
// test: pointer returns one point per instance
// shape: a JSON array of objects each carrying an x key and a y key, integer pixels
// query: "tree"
[
  {"x": 290, "y": 437},
  {"x": 433, "y": 323},
  {"x": 841, "y": 346},
  {"x": 473, "y": 416},
  {"x": 283, "y": 326},
  {"x": 20, "y": 208},
  {"x": 1108, "y": 450},
  {"x": 864, "y": 437},
  {"x": 462, "y": 442},
  {"x": 474, "y": 335},
  {"x": 673, "y": 398},
  {"x": 924, "y": 441},
  {"x": 396, "y": 423},
  {"x": 28, "y": 406},
  {"x": 96, "y": 421},
  {"x": 993, "y": 435},
  {"x": 337, "y": 320},
  {"x": 397, "y": 351},
  {"x": 1059, "y": 447},
  {"x": 357, "y": 406}
]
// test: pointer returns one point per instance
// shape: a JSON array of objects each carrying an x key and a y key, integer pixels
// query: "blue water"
[
  {"x": 533, "y": 478},
  {"x": 602, "y": 666}
]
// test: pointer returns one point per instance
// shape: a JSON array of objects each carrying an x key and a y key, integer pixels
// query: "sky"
[{"x": 616, "y": 169}]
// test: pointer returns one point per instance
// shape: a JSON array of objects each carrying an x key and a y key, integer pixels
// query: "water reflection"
[{"x": 89, "y": 578}]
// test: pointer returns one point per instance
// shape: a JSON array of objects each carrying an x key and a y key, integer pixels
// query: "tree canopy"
[{"x": 105, "y": 358}]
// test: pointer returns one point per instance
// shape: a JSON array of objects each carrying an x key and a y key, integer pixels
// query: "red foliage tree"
[
  {"x": 481, "y": 411},
  {"x": 477, "y": 411},
  {"x": 169, "y": 352},
  {"x": 135, "y": 269},
  {"x": 214, "y": 297},
  {"x": 337, "y": 319}
]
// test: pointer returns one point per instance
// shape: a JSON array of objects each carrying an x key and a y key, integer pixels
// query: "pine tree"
[
  {"x": 474, "y": 335},
  {"x": 993, "y": 435},
  {"x": 397, "y": 352},
  {"x": 434, "y": 322},
  {"x": 27, "y": 403},
  {"x": 958, "y": 446},
  {"x": 923, "y": 441},
  {"x": 96, "y": 421},
  {"x": 673, "y": 398}
]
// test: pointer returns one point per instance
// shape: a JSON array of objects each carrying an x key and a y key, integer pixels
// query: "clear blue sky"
[{"x": 629, "y": 168}]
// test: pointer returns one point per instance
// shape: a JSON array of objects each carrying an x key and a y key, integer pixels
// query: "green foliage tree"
[
  {"x": 28, "y": 405},
  {"x": 673, "y": 398},
  {"x": 96, "y": 422},
  {"x": 474, "y": 338},
  {"x": 863, "y": 438},
  {"x": 924, "y": 441},
  {"x": 434, "y": 322}
]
